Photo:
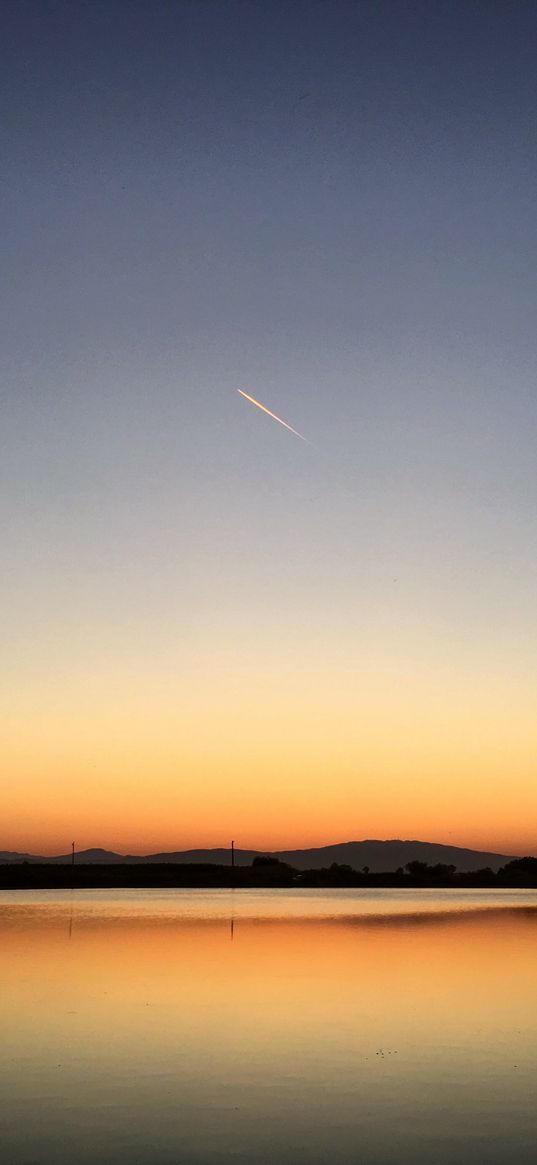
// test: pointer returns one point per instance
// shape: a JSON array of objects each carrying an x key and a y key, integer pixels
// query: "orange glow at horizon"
[
  {"x": 144, "y": 766},
  {"x": 277, "y": 730}
]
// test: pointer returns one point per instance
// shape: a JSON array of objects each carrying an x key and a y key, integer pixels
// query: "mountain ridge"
[{"x": 378, "y": 856}]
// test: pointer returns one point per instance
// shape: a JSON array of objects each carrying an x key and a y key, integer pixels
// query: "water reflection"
[{"x": 136, "y": 1031}]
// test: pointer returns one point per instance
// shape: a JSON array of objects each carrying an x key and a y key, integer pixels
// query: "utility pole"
[
  {"x": 73, "y": 854},
  {"x": 232, "y": 855}
]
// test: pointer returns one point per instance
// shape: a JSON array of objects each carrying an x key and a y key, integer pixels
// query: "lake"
[{"x": 292, "y": 1027}]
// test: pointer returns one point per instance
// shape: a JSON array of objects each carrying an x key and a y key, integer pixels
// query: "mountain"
[
  {"x": 7, "y": 855},
  {"x": 83, "y": 857},
  {"x": 379, "y": 856},
  {"x": 383, "y": 856},
  {"x": 92, "y": 857},
  {"x": 220, "y": 857}
]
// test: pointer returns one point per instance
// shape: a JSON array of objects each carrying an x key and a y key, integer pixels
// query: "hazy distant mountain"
[
  {"x": 222, "y": 857},
  {"x": 91, "y": 857},
  {"x": 382, "y": 856},
  {"x": 7, "y": 855},
  {"x": 85, "y": 856},
  {"x": 379, "y": 856}
]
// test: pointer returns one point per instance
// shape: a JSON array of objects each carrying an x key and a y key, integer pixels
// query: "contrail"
[{"x": 258, "y": 405}]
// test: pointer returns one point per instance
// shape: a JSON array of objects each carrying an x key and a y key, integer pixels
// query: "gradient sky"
[{"x": 210, "y": 629}]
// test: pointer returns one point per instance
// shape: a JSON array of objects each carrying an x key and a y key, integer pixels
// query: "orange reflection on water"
[
  {"x": 177, "y": 1013},
  {"x": 401, "y": 974}
]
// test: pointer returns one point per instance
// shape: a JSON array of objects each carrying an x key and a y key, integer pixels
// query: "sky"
[{"x": 211, "y": 629}]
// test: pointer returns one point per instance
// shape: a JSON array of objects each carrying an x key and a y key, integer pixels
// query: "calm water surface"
[{"x": 195, "y": 1028}]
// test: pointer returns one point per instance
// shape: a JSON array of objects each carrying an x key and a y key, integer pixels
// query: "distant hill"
[
  {"x": 85, "y": 856},
  {"x": 379, "y": 856},
  {"x": 221, "y": 857},
  {"x": 8, "y": 855},
  {"x": 92, "y": 857},
  {"x": 382, "y": 856}
]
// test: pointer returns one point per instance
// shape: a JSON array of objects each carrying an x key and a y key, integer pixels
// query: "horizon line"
[{"x": 263, "y": 849}]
